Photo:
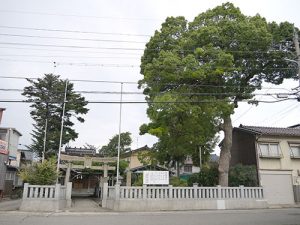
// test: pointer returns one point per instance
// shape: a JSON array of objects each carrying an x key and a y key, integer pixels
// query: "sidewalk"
[{"x": 10, "y": 204}]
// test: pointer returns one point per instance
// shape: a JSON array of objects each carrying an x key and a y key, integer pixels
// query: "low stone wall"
[
  {"x": 43, "y": 205},
  {"x": 182, "y": 204},
  {"x": 145, "y": 198},
  {"x": 45, "y": 198}
]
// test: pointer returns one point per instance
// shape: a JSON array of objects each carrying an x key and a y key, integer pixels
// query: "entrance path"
[
  {"x": 9, "y": 204},
  {"x": 85, "y": 204}
]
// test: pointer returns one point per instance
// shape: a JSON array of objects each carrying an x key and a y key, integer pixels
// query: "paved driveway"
[
  {"x": 85, "y": 204},
  {"x": 10, "y": 205}
]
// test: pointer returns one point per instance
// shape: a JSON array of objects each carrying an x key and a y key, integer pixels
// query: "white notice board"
[{"x": 156, "y": 177}]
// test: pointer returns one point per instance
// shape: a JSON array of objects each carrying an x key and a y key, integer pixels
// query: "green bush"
[
  {"x": 138, "y": 180},
  {"x": 208, "y": 176},
  {"x": 177, "y": 182},
  {"x": 238, "y": 175},
  {"x": 243, "y": 175},
  {"x": 40, "y": 173}
]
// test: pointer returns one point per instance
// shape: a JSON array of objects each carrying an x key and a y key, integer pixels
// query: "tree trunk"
[
  {"x": 177, "y": 169},
  {"x": 225, "y": 154}
]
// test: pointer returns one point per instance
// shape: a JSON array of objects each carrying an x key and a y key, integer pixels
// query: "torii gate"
[{"x": 88, "y": 163}]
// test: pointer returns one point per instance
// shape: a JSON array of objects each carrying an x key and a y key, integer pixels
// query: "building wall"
[
  {"x": 133, "y": 159},
  {"x": 11, "y": 136},
  {"x": 285, "y": 162},
  {"x": 3, "y": 160},
  {"x": 243, "y": 148}
]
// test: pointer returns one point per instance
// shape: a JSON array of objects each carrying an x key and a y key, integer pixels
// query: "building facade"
[{"x": 276, "y": 154}]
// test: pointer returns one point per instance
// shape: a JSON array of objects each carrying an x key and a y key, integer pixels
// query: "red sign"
[{"x": 3, "y": 147}]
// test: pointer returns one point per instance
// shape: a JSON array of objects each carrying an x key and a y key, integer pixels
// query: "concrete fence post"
[
  {"x": 170, "y": 191},
  {"x": 117, "y": 191},
  {"x": 57, "y": 191},
  {"x": 195, "y": 187},
  {"x": 68, "y": 190},
  {"x": 219, "y": 191},
  {"x": 242, "y": 190},
  {"x": 144, "y": 191},
  {"x": 104, "y": 193},
  {"x": 25, "y": 190}
]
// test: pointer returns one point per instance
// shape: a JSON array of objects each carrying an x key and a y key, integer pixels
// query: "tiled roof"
[{"x": 275, "y": 131}]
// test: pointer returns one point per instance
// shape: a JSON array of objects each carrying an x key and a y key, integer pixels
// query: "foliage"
[
  {"x": 40, "y": 173},
  {"x": 122, "y": 166},
  {"x": 238, "y": 175},
  {"x": 147, "y": 157},
  {"x": 138, "y": 181},
  {"x": 243, "y": 175},
  {"x": 204, "y": 68},
  {"x": 177, "y": 182},
  {"x": 47, "y": 96},
  {"x": 208, "y": 176},
  {"x": 111, "y": 149}
]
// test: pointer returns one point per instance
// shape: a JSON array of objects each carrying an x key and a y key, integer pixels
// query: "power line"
[
  {"x": 283, "y": 115},
  {"x": 76, "y": 15},
  {"x": 69, "y": 56},
  {"x": 125, "y": 65},
  {"x": 148, "y": 102},
  {"x": 127, "y": 49},
  {"x": 70, "y": 38},
  {"x": 58, "y": 50},
  {"x": 188, "y": 93},
  {"x": 136, "y": 83},
  {"x": 73, "y": 31},
  {"x": 71, "y": 46},
  {"x": 72, "y": 63}
]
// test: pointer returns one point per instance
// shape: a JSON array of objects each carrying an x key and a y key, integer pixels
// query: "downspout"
[{"x": 256, "y": 137}]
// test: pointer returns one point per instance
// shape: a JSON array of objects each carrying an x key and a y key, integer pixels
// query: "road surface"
[{"x": 289, "y": 216}]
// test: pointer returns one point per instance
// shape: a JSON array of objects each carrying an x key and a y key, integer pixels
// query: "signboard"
[
  {"x": 156, "y": 177},
  {"x": 3, "y": 147}
]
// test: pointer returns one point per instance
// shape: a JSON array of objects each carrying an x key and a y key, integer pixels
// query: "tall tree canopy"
[
  {"x": 47, "y": 97},
  {"x": 210, "y": 64},
  {"x": 111, "y": 149}
]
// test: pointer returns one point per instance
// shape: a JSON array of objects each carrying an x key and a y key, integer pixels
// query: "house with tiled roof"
[{"x": 275, "y": 152}]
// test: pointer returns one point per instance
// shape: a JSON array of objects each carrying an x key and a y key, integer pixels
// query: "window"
[
  {"x": 295, "y": 150},
  {"x": 269, "y": 150},
  {"x": 187, "y": 168}
]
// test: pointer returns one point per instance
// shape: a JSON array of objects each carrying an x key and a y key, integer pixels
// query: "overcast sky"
[{"x": 23, "y": 55}]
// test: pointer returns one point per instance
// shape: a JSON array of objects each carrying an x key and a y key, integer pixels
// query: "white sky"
[{"x": 111, "y": 16}]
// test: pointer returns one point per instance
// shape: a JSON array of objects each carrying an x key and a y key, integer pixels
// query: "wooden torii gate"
[{"x": 87, "y": 163}]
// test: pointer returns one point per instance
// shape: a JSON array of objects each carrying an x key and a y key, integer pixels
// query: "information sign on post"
[{"x": 156, "y": 177}]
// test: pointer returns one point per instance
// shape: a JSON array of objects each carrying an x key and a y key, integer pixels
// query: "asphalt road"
[{"x": 227, "y": 217}]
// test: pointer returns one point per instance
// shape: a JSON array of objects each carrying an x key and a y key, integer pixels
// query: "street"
[{"x": 290, "y": 216}]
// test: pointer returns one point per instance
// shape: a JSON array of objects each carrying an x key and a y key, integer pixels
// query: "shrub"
[
  {"x": 208, "y": 176},
  {"x": 40, "y": 173},
  {"x": 243, "y": 175},
  {"x": 177, "y": 182}
]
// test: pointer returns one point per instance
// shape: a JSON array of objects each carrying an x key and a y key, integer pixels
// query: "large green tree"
[
  {"x": 47, "y": 97},
  {"x": 111, "y": 149},
  {"x": 217, "y": 60},
  {"x": 181, "y": 129}
]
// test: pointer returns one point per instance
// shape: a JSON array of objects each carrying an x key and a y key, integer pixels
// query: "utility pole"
[
  {"x": 200, "y": 158},
  {"x": 119, "y": 140},
  {"x": 45, "y": 134},
  {"x": 61, "y": 129},
  {"x": 296, "y": 43}
]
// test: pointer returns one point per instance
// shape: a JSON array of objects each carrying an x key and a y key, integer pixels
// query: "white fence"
[
  {"x": 46, "y": 197},
  {"x": 149, "y": 198},
  {"x": 194, "y": 192}
]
